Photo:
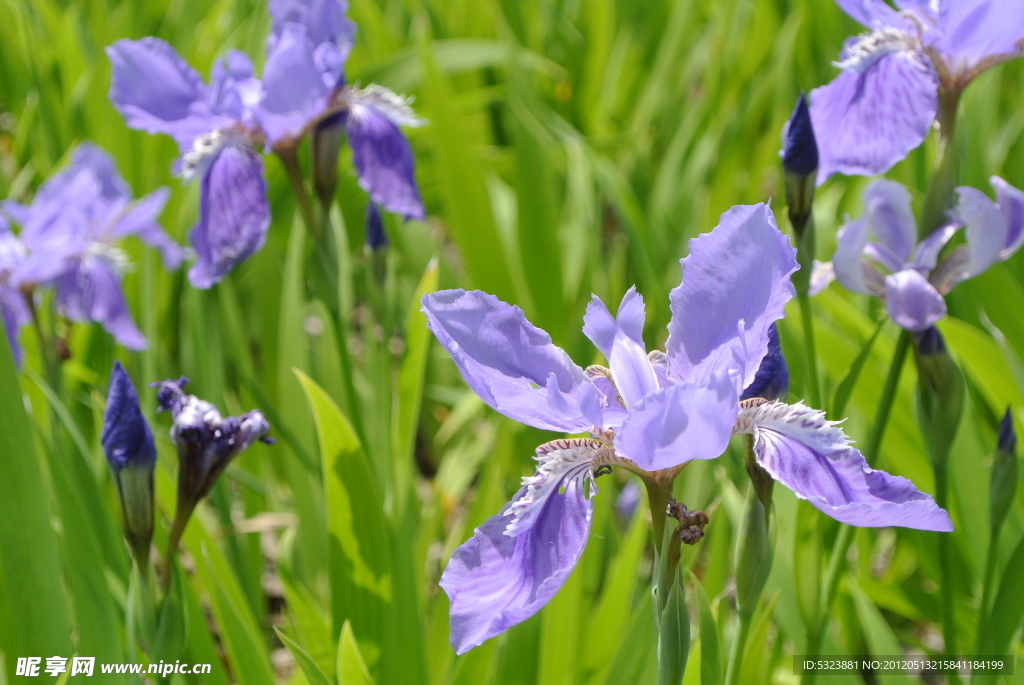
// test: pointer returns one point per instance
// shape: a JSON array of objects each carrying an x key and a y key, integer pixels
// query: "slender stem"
[
  {"x": 657, "y": 498},
  {"x": 810, "y": 353},
  {"x": 946, "y": 574},
  {"x": 732, "y": 673},
  {"x": 990, "y": 576},
  {"x": 837, "y": 562},
  {"x": 173, "y": 540},
  {"x": 291, "y": 166},
  {"x": 939, "y": 197}
]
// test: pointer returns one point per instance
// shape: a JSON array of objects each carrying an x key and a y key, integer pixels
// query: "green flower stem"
[
  {"x": 837, "y": 562},
  {"x": 949, "y": 637},
  {"x": 732, "y": 673},
  {"x": 811, "y": 355},
  {"x": 657, "y": 498},
  {"x": 290, "y": 161},
  {"x": 939, "y": 197},
  {"x": 990, "y": 577}
]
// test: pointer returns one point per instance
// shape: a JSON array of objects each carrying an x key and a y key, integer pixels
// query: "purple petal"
[
  {"x": 294, "y": 94},
  {"x": 1011, "y": 204},
  {"x": 890, "y": 218},
  {"x": 15, "y": 313},
  {"x": 987, "y": 232},
  {"x": 848, "y": 262},
  {"x": 913, "y": 302},
  {"x": 511, "y": 364},
  {"x": 680, "y": 423},
  {"x": 822, "y": 274},
  {"x": 233, "y": 215},
  {"x": 141, "y": 220},
  {"x": 381, "y": 154},
  {"x": 234, "y": 91},
  {"x": 927, "y": 254},
  {"x": 737, "y": 273},
  {"x": 92, "y": 292},
  {"x": 973, "y": 30},
  {"x": 126, "y": 437},
  {"x": 869, "y": 121},
  {"x": 324, "y": 21},
  {"x": 874, "y": 14},
  {"x": 155, "y": 90},
  {"x": 772, "y": 379},
  {"x": 621, "y": 342},
  {"x": 518, "y": 559},
  {"x": 811, "y": 457}
]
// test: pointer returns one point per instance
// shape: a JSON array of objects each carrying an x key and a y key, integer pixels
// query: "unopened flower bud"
[
  {"x": 772, "y": 379},
  {"x": 753, "y": 554},
  {"x": 940, "y": 394},
  {"x": 800, "y": 163},
  {"x": 375, "y": 236},
  {"x": 1004, "y": 472},
  {"x": 325, "y": 143},
  {"x": 128, "y": 444}
]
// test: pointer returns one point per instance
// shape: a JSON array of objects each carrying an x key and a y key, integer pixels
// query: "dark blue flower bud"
[
  {"x": 771, "y": 381},
  {"x": 1007, "y": 435},
  {"x": 324, "y": 146},
  {"x": 171, "y": 394},
  {"x": 940, "y": 394},
  {"x": 800, "y": 153},
  {"x": 129, "y": 447},
  {"x": 375, "y": 236},
  {"x": 1004, "y": 473}
]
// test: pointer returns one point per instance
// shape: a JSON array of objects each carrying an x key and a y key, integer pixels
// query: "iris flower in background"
[
  {"x": 646, "y": 413},
  {"x": 877, "y": 255},
  {"x": 220, "y": 128},
  {"x": 896, "y": 76},
  {"x": 70, "y": 232},
  {"x": 13, "y": 307}
]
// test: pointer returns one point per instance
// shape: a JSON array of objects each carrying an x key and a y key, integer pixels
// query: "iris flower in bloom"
[
  {"x": 13, "y": 308},
  {"x": 646, "y": 413},
  {"x": 877, "y": 255},
  {"x": 70, "y": 233},
  {"x": 219, "y": 128},
  {"x": 896, "y": 76}
]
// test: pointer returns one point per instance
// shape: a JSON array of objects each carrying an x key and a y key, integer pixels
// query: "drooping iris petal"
[
  {"x": 987, "y": 230},
  {"x": 380, "y": 151},
  {"x": 510, "y": 363},
  {"x": 156, "y": 91},
  {"x": 518, "y": 559},
  {"x": 680, "y": 423},
  {"x": 140, "y": 219},
  {"x": 875, "y": 117},
  {"x": 737, "y": 273},
  {"x": 294, "y": 94},
  {"x": 126, "y": 437},
  {"x": 233, "y": 215},
  {"x": 913, "y": 303},
  {"x": 621, "y": 341},
  {"x": 812, "y": 457},
  {"x": 1011, "y": 204},
  {"x": 91, "y": 291},
  {"x": 890, "y": 218}
]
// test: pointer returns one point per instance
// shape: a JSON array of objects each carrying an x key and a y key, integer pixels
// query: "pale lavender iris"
[
  {"x": 877, "y": 254},
  {"x": 13, "y": 307},
  {"x": 71, "y": 233},
  {"x": 158, "y": 92},
  {"x": 883, "y": 103},
  {"x": 646, "y": 412}
]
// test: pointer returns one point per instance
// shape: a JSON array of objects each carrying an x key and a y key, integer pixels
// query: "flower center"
[
  {"x": 870, "y": 47},
  {"x": 204, "y": 148},
  {"x": 115, "y": 257}
]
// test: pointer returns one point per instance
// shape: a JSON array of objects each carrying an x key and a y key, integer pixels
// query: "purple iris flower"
[
  {"x": 13, "y": 307},
  {"x": 877, "y": 254},
  {"x": 71, "y": 231},
  {"x": 883, "y": 103},
  {"x": 647, "y": 412},
  {"x": 156, "y": 91}
]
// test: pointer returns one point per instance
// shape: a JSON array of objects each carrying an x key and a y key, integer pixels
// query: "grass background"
[{"x": 573, "y": 147}]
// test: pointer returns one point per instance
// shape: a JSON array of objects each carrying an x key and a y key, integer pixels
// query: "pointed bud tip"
[
  {"x": 930, "y": 342},
  {"x": 1007, "y": 435},
  {"x": 375, "y": 236},
  {"x": 800, "y": 152},
  {"x": 126, "y": 437}
]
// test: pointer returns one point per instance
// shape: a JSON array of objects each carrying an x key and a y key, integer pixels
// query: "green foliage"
[{"x": 572, "y": 147}]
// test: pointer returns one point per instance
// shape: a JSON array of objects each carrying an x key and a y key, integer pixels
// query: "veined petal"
[
  {"x": 812, "y": 457},
  {"x": 680, "y": 423},
  {"x": 875, "y": 117},
  {"x": 156, "y": 91},
  {"x": 91, "y": 291},
  {"x": 511, "y": 364},
  {"x": 621, "y": 342},
  {"x": 913, "y": 303},
  {"x": 233, "y": 215},
  {"x": 890, "y": 218},
  {"x": 294, "y": 94},
  {"x": 739, "y": 272},
  {"x": 518, "y": 559},
  {"x": 380, "y": 151}
]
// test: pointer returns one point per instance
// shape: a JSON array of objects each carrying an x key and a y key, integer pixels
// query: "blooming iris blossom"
[
  {"x": 13, "y": 308},
  {"x": 70, "y": 232},
  {"x": 883, "y": 103},
  {"x": 647, "y": 412},
  {"x": 876, "y": 254},
  {"x": 220, "y": 127}
]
